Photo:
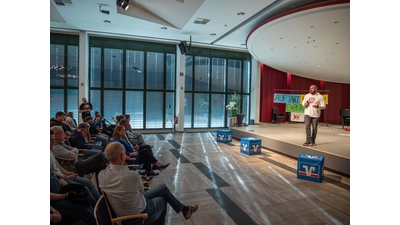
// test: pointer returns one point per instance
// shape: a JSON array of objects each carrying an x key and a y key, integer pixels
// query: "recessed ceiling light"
[
  {"x": 240, "y": 13},
  {"x": 242, "y": 44},
  {"x": 213, "y": 34},
  {"x": 163, "y": 28},
  {"x": 336, "y": 21},
  {"x": 312, "y": 26},
  {"x": 106, "y": 21}
]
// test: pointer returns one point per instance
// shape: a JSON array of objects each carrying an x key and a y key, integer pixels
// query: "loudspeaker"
[{"x": 183, "y": 47}]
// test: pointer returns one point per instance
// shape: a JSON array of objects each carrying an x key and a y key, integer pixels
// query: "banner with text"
[
  {"x": 294, "y": 108},
  {"x": 293, "y": 98}
]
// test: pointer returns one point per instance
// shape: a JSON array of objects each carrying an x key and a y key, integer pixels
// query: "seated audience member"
[
  {"x": 96, "y": 133},
  {"x": 61, "y": 217},
  {"x": 119, "y": 118},
  {"x": 145, "y": 156},
  {"x": 131, "y": 153},
  {"x": 126, "y": 194},
  {"x": 78, "y": 140},
  {"x": 68, "y": 157},
  {"x": 69, "y": 177},
  {"x": 126, "y": 124},
  {"x": 132, "y": 137},
  {"x": 58, "y": 200},
  {"x": 101, "y": 125},
  {"x": 59, "y": 120},
  {"x": 71, "y": 121},
  {"x": 135, "y": 138}
]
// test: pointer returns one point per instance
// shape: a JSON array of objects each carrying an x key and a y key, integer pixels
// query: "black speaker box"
[{"x": 183, "y": 47}]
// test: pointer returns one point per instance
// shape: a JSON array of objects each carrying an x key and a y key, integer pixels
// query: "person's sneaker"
[
  {"x": 313, "y": 144},
  {"x": 192, "y": 209},
  {"x": 306, "y": 143}
]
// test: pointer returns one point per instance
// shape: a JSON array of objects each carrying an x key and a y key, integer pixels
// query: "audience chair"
[
  {"x": 276, "y": 116},
  {"x": 104, "y": 215}
]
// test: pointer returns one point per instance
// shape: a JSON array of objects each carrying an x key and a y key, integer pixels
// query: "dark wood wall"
[{"x": 274, "y": 81}]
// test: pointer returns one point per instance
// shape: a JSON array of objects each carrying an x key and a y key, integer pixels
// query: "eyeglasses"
[{"x": 86, "y": 108}]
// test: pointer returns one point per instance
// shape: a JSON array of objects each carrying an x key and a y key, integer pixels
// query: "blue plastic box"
[
  {"x": 310, "y": 167},
  {"x": 224, "y": 136},
  {"x": 250, "y": 146}
]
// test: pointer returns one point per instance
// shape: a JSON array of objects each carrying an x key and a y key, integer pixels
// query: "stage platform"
[{"x": 333, "y": 142}]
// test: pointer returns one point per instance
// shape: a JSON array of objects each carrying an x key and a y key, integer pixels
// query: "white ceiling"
[{"x": 313, "y": 43}]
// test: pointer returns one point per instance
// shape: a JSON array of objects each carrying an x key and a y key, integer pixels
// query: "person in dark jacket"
[
  {"x": 59, "y": 120},
  {"x": 77, "y": 140}
]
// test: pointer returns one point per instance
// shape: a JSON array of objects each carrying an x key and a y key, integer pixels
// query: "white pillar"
[
  {"x": 180, "y": 90},
  {"x": 83, "y": 90},
  {"x": 255, "y": 90}
]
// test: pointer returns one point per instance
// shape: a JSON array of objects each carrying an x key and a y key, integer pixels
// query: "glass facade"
[{"x": 138, "y": 78}]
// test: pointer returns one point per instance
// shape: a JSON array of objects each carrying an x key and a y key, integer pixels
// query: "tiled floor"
[{"x": 233, "y": 188}]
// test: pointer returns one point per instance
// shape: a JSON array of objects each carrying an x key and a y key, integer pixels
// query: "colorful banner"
[
  {"x": 286, "y": 98},
  {"x": 294, "y": 99},
  {"x": 294, "y": 108}
]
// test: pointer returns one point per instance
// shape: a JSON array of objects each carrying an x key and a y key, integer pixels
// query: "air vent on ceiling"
[
  {"x": 62, "y": 2},
  {"x": 201, "y": 21},
  {"x": 59, "y": 2}
]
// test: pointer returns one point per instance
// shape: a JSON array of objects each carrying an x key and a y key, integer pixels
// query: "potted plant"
[{"x": 233, "y": 106}]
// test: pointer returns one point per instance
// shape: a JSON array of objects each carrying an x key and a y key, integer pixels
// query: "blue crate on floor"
[
  {"x": 224, "y": 136},
  {"x": 310, "y": 167},
  {"x": 250, "y": 146}
]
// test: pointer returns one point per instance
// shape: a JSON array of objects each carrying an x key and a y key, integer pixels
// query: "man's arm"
[
  {"x": 63, "y": 153},
  {"x": 322, "y": 103}
]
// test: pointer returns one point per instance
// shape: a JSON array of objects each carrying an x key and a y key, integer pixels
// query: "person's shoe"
[
  {"x": 307, "y": 143},
  {"x": 163, "y": 167},
  {"x": 152, "y": 173},
  {"x": 147, "y": 178},
  {"x": 313, "y": 144},
  {"x": 189, "y": 213},
  {"x": 142, "y": 172}
]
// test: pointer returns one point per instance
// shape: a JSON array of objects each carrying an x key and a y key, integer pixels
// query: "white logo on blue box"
[{"x": 308, "y": 170}]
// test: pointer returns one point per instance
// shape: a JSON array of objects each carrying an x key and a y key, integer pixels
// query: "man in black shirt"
[{"x": 85, "y": 108}]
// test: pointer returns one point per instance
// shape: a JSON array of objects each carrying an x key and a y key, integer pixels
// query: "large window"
[
  {"x": 211, "y": 78},
  {"x": 135, "y": 78},
  {"x": 64, "y": 67}
]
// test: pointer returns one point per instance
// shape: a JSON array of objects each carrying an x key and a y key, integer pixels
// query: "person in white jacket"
[{"x": 313, "y": 103}]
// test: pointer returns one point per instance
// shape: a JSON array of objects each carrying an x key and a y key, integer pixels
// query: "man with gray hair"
[{"x": 125, "y": 191}]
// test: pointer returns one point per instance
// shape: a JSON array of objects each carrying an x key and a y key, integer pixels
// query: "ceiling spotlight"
[{"x": 124, "y": 4}]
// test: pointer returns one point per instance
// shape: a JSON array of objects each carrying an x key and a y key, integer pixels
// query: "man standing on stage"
[
  {"x": 85, "y": 108},
  {"x": 313, "y": 103}
]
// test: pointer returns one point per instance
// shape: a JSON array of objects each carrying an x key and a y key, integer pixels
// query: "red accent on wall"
[{"x": 272, "y": 80}]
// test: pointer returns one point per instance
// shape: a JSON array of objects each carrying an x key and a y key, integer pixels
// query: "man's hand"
[
  {"x": 135, "y": 153},
  {"x": 136, "y": 147}
]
